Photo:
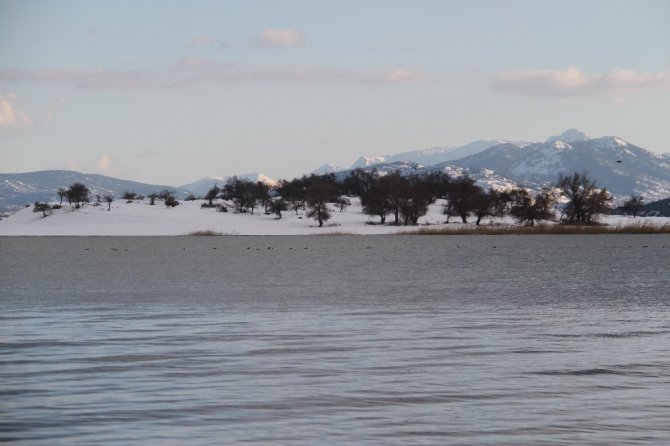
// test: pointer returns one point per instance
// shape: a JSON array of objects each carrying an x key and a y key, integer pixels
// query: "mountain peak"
[
  {"x": 569, "y": 136},
  {"x": 327, "y": 168}
]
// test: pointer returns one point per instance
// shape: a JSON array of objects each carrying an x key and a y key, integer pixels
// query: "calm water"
[{"x": 335, "y": 340}]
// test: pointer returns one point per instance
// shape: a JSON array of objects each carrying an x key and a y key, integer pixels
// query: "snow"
[
  {"x": 570, "y": 135},
  {"x": 139, "y": 218},
  {"x": 560, "y": 145},
  {"x": 620, "y": 142}
]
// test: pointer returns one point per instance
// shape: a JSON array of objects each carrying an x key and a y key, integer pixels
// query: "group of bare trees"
[
  {"x": 245, "y": 195},
  {"x": 76, "y": 194},
  {"x": 404, "y": 199},
  {"x": 585, "y": 200}
]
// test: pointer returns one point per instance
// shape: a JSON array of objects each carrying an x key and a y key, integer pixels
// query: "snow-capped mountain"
[
  {"x": 327, "y": 168},
  {"x": 19, "y": 189},
  {"x": 485, "y": 178},
  {"x": 621, "y": 167},
  {"x": 201, "y": 186},
  {"x": 429, "y": 157}
]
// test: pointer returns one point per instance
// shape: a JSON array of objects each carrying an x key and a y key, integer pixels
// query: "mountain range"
[{"x": 622, "y": 167}]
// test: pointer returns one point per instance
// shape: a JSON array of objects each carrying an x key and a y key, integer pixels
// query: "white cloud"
[
  {"x": 396, "y": 76},
  {"x": 194, "y": 63},
  {"x": 95, "y": 79},
  {"x": 74, "y": 165},
  {"x": 277, "y": 38},
  {"x": 232, "y": 74},
  {"x": 104, "y": 162},
  {"x": 11, "y": 117},
  {"x": 201, "y": 41},
  {"x": 575, "y": 82}
]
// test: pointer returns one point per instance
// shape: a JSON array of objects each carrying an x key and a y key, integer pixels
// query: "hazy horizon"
[{"x": 171, "y": 92}]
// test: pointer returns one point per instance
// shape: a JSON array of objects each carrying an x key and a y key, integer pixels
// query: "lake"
[{"x": 478, "y": 340}]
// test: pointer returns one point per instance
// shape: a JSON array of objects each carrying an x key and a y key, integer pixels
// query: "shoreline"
[{"x": 189, "y": 219}]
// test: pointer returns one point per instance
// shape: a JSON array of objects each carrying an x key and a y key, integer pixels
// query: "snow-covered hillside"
[
  {"x": 139, "y": 218},
  {"x": 621, "y": 167},
  {"x": 19, "y": 189}
]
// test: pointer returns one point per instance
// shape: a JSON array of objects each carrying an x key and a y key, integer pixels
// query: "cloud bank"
[
  {"x": 11, "y": 117},
  {"x": 229, "y": 74},
  {"x": 93, "y": 79},
  {"x": 575, "y": 82},
  {"x": 277, "y": 38}
]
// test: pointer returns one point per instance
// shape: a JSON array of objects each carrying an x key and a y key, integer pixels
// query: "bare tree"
[
  {"x": 109, "y": 199},
  {"x": 261, "y": 192},
  {"x": 317, "y": 197},
  {"x": 358, "y": 182},
  {"x": 77, "y": 193},
  {"x": 633, "y": 205},
  {"x": 376, "y": 200},
  {"x": 483, "y": 204},
  {"x": 277, "y": 206},
  {"x": 462, "y": 195},
  {"x": 62, "y": 193},
  {"x": 129, "y": 196},
  {"x": 527, "y": 210},
  {"x": 585, "y": 199},
  {"x": 342, "y": 203},
  {"x": 168, "y": 198},
  {"x": 242, "y": 192},
  {"x": 415, "y": 196},
  {"x": 212, "y": 194},
  {"x": 44, "y": 208},
  {"x": 394, "y": 186},
  {"x": 152, "y": 198},
  {"x": 293, "y": 192}
]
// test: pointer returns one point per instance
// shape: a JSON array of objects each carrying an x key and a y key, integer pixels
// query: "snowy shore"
[{"x": 139, "y": 218}]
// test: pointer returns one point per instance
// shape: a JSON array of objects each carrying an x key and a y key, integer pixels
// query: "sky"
[{"x": 168, "y": 92}]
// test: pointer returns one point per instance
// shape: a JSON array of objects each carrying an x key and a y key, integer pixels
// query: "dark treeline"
[
  {"x": 401, "y": 200},
  {"x": 391, "y": 197}
]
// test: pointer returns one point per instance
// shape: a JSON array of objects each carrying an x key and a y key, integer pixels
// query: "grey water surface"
[{"x": 474, "y": 340}]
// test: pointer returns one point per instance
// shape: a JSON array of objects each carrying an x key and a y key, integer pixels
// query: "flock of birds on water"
[{"x": 270, "y": 248}]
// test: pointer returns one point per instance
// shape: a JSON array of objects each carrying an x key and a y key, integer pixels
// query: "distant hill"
[
  {"x": 622, "y": 167},
  {"x": 327, "y": 168},
  {"x": 659, "y": 208},
  {"x": 19, "y": 189},
  {"x": 427, "y": 157},
  {"x": 201, "y": 186}
]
